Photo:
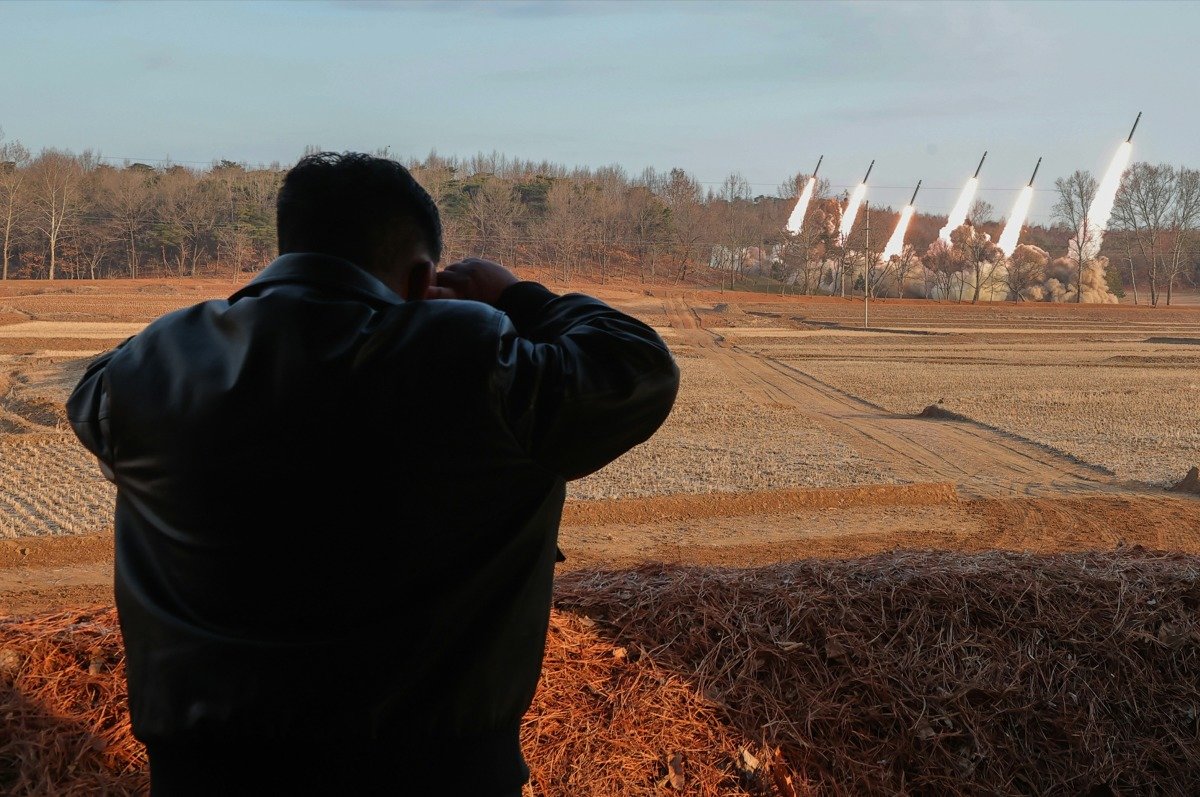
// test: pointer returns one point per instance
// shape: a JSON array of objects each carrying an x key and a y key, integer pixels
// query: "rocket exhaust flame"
[
  {"x": 963, "y": 206},
  {"x": 1102, "y": 204},
  {"x": 895, "y": 244},
  {"x": 852, "y": 205},
  {"x": 795, "y": 222},
  {"x": 851, "y": 212},
  {"x": 1016, "y": 220},
  {"x": 1100, "y": 211}
]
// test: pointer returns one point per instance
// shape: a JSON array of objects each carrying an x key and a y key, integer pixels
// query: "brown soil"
[
  {"x": 55, "y": 551},
  {"x": 937, "y": 411},
  {"x": 40, "y": 574},
  {"x": 766, "y": 502},
  {"x": 1037, "y": 524},
  {"x": 734, "y": 530}
]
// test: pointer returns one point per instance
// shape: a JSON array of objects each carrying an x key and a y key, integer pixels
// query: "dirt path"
[
  {"x": 1043, "y": 525},
  {"x": 47, "y": 573},
  {"x": 980, "y": 462},
  {"x": 726, "y": 529}
]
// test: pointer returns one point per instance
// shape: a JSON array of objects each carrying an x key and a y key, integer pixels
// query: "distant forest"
[{"x": 75, "y": 216}]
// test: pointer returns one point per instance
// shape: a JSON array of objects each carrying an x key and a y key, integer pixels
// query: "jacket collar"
[{"x": 325, "y": 271}]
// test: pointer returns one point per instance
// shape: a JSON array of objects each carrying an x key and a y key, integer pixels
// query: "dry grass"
[
  {"x": 936, "y": 673},
  {"x": 914, "y": 672},
  {"x": 64, "y": 708},
  {"x": 50, "y": 485},
  {"x": 716, "y": 441}
]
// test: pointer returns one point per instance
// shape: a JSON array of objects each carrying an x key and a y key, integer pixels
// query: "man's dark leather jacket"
[{"x": 337, "y": 511}]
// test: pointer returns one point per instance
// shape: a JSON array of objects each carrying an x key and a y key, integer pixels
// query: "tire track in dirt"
[{"x": 981, "y": 462}]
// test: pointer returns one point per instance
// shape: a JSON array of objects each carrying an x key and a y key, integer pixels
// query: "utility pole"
[{"x": 867, "y": 269}]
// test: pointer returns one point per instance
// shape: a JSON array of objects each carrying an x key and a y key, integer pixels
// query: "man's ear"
[{"x": 420, "y": 278}]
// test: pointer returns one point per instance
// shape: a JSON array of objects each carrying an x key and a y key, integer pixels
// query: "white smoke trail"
[
  {"x": 961, "y": 208},
  {"x": 851, "y": 211},
  {"x": 895, "y": 244},
  {"x": 1016, "y": 220},
  {"x": 795, "y": 221},
  {"x": 1102, "y": 204}
]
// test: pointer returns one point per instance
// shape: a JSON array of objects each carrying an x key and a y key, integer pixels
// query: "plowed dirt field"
[{"x": 798, "y": 432}]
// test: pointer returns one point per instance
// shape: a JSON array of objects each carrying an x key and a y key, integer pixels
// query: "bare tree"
[
  {"x": 55, "y": 180},
  {"x": 647, "y": 220},
  {"x": 567, "y": 224},
  {"x": 1143, "y": 210},
  {"x": 126, "y": 197},
  {"x": 1026, "y": 269},
  {"x": 1184, "y": 219},
  {"x": 683, "y": 198},
  {"x": 873, "y": 271},
  {"x": 736, "y": 226},
  {"x": 435, "y": 175},
  {"x": 818, "y": 238},
  {"x": 981, "y": 212},
  {"x": 900, "y": 268},
  {"x": 607, "y": 228},
  {"x": 1075, "y": 195},
  {"x": 246, "y": 231},
  {"x": 494, "y": 212},
  {"x": 14, "y": 161},
  {"x": 185, "y": 217},
  {"x": 979, "y": 255},
  {"x": 89, "y": 246},
  {"x": 942, "y": 263}
]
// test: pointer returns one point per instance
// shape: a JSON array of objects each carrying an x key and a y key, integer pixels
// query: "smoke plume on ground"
[{"x": 1060, "y": 285}]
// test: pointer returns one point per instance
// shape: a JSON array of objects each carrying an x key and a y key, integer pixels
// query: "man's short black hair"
[{"x": 354, "y": 206}]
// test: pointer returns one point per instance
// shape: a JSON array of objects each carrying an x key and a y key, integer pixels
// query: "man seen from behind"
[{"x": 338, "y": 499}]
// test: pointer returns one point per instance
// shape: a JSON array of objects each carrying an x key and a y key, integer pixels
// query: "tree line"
[{"x": 64, "y": 215}]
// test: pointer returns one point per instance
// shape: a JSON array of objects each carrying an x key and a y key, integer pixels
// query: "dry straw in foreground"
[
  {"x": 906, "y": 672},
  {"x": 935, "y": 672}
]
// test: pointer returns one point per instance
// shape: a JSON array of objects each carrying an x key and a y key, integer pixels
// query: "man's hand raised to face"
[{"x": 475, "y": 279}]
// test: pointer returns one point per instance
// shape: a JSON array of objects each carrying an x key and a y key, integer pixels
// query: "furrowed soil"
[{"x": 798, "y": 432}]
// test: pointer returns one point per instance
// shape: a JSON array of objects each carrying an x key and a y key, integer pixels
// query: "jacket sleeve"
[
  {"x": 88, "y": 411},
  {"x": 581, "y": 383}
]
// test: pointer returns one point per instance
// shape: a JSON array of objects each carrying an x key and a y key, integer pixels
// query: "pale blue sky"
[{"x": 760, "y": 88}]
